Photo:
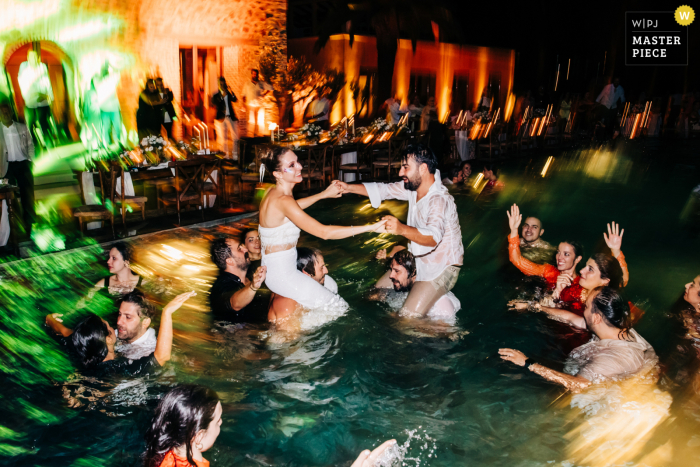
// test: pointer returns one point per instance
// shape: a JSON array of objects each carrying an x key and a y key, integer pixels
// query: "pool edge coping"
[{"x": 222, "y": 221}]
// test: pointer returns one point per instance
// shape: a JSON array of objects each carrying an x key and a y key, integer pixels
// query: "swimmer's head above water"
[
  {"x": 692, "y": 293},
  {"x": 310, "y": 261},
  {"x": 135, "y": 316},
  {"x": 403, "y": 271},
  {"x": 229, "y": 253},
  {"x": 532, "y": 229}
]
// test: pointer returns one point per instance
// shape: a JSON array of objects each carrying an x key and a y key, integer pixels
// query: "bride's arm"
[
  {"x": 333, "y": 191},
  {"x": 293, "y": 211}
]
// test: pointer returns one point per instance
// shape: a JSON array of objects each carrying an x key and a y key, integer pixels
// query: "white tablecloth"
[
  {"x": 348, "y": 158},
  {"x": 465, "y": 147},
  {"x": 88, "y": 183},
  {"x": 4, "y": 225}
]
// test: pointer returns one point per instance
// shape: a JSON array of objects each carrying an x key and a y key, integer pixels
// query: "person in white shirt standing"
[
  {"x": 110, "y": 112},
  {"x": 253, "y": 94},
  {"x": 433, "y": 231},
  {"x": 16, "y": 155},
  {"x": 226, "y": 122},
  {"x": 35, "y": 86},
  {"x": 609, "y": 97}
]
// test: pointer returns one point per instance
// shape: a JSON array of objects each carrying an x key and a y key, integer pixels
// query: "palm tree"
[{"x": 390, "y": 20}]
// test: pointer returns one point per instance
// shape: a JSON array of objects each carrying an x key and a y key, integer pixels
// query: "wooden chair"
[
  {"x": 317, "y": 167},
  {"x": 123, "y": 201},
  {"x": 358, "y": 167},
  {"x": 231, "y": 172},
  {"x": 188, "y": 186},
  {"x": 252, "y": 177},
  {"x": 92, "y": 212},
  {"x": 211, "y": 185}
]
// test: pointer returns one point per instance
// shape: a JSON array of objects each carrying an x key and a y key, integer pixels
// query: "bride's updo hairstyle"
[{"x": 273, "y": 158}]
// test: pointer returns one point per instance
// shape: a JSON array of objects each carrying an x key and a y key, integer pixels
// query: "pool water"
[{"x": 442, "y": 392}]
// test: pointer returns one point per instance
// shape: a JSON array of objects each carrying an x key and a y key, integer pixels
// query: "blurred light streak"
[
  {"x": 478, "y": 179},
  {"x": 85, "y": 30},
  {"x": 16, "y": 15},
  {"x": 546, "y": 166},
  {"x": 172, "y": 253},
  {"x": 556, "y": 82},
  {"x": 568, "y": 68},
  {"x": 510, "y": 105}
]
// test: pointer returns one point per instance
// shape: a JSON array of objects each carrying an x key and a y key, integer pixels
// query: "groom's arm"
[
  {"x": 357, "y": 189},
  {"x": 396, "y": 227}
]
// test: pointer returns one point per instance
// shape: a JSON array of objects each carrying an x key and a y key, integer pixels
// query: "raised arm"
[
  {"x": 572, "y": 383},
  {"x": 613, "y": 238},
  {"x": 55, "y": 322},
  {"x": 332, "y": 191},
  {"x": 563, "y": 316},
  {"x": 308, "y": 224},
  {"x": 164, "y": 345},
  {"x": 243, "y": 297},
  {"x": 526, "y": 266},
  {"x": 357, "y": 189}
]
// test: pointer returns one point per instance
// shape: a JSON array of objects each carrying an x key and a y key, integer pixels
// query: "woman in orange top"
[
  {"x": 568, "y": 255},
  {"x": 187, "y": 423}
]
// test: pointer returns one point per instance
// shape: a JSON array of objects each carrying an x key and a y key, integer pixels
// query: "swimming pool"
[{"x": 367, "y": 377}]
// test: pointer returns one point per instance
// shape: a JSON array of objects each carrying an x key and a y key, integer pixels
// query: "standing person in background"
[
  {"x": 253, "y": 93},
  {"x": 226, "y": 122},
  {"x": 148, "y": 116},
  {"x": 35, "y": 86},
  {"x": 415, "y": 108},
  {"x": 110, "y": 113},
  {"x": 564, "y": 112},
  {"x": 428, "y": 113},
  {"x": 609, "y": 97},
  {"x": 166, "y": 109},
  {"x": 16, "y": 155}
]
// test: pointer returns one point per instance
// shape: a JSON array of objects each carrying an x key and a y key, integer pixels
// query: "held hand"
[
  {"x": 381, "y": 254},
  {"x": 514, "y": 219},
  {"x": 513, "y": 355},
  {"x": 259, "y": 276},
  {"x": 393, "y": 225},
  {"x": 368, "y": 459},
  {"x": 333, "y": 191},
  {"x": 344, "y": 188},
  {"x": 177, "y": 302},
  {"x": 614, "y": 237},
  {"x": 379, "y": 227}
]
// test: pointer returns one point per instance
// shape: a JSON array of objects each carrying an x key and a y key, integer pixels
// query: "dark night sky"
[{"x": 583, "y": 31}]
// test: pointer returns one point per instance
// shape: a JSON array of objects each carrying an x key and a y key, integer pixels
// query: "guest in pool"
[
  {"x": 690, "y": 314},
  {"x": 402, "y": 278},
  {"x": 233, "y": 297},
  {"x": 459, "y": 175},
  {"x": 568, "y": 288},
  {"x": 93, "y": 343},
  {"x": 616, "y": 351},
  {"x": 122, "y": 279},
  {"x": 532, "y": 246},
  {"x": 251, "y": 240},
  {"x": 310, "y": 262},
  {"x": 490, "y": 173},
  {"x": 187, "y": 423}
]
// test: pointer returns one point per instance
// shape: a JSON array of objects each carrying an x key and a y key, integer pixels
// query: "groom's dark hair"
[
  {"x": 220, "y": 252},
  {"x": 306, "y": 259},
  {"x": 422, "y": 155}
]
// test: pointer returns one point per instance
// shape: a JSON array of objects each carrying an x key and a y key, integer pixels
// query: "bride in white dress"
[{"x": 281, "y": 220}]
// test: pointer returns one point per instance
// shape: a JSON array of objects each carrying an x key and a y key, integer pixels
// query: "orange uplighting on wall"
[{"x": 510, "y": 105}]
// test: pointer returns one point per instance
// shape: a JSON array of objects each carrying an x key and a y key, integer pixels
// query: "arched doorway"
[{"x": 61, "y": 75}]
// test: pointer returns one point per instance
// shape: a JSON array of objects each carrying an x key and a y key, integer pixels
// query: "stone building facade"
[{"x": 189, "y": 43}]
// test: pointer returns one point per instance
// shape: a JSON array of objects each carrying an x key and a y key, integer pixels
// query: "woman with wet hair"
[
  {"x": 615, "y": 352},
  {"x": 186, "y": 424},
  {"x": 690, "y": 312},
  {"x": 282, "y": 218},
  {"x": 93, "y": 340}
]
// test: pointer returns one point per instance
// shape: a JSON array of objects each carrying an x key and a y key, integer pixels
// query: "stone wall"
[{"x": 143, "y": 37}]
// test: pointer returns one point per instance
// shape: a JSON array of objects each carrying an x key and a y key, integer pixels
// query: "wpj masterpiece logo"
[{"x": 657, "y": 37}]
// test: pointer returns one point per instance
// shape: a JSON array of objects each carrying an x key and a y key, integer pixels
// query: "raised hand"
[
  {"x": 381, "y": 254},
  {"x": 259, "y": 276},
  {"x": 369, "y": 459},
  {"x": 380, "y": 227},
  {"x": 177, "y": 302},
  {"x": 614, "y": 238},
  {"x": 514, "y": 219}
]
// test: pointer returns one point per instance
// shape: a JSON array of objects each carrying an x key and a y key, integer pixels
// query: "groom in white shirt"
[{"x": 432, "y": 227}]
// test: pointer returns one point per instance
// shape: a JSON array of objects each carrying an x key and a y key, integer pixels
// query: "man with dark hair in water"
[
  {"x": 432, "y": 228},
  {"x": 232, "y": 293}
]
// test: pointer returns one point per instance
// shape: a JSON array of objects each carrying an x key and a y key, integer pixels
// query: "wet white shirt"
[
  {"x": 13, "y": 145},
  {"x": 141, "y": 347},
  {"x": 434, "y": 215}
]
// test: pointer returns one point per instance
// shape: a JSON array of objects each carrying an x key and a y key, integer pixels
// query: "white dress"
[{"x": 284, "y": 279}]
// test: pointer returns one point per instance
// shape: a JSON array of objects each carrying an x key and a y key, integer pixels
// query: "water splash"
[{"x": 419, "y": 448}]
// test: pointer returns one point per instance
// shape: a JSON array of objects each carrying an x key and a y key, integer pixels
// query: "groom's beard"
[
  {"x": 412, "y": 184},
  {"x": 245, "y": 264}
]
